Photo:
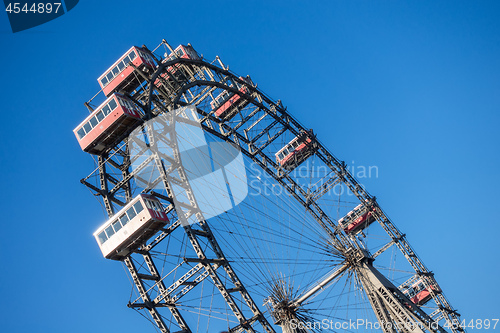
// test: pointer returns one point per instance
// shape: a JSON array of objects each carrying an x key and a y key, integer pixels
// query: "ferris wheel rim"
[{"x": 330, "y": 225}]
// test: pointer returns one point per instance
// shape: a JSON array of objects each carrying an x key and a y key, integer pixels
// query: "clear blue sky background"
[{"x": 410, "y": 87}]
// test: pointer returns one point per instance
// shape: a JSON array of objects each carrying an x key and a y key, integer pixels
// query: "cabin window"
[
  {"x": 109, "y": 231},
  {"x": 102, "y": 237},
  {"x": 112, "y": 104},
  {"x": 115, "y": 71},
  {"x": 117, "y": 226},
  {"x": 81, "y": 133},
  {"x": 87, "y": 127},
  {"x": 132, "y": 55},
  {"x": 93, "y": 121},
  {"x": 124, "y": 219},
  {"x": 121, "y": 66},
  {"x": 154, "y": 205},
  {"x": 219, "y": 97},
  {"x": 131, "y": 213},
  {"x": 222, "y": 97},
  {"x": 104, "y": 81},
  {"x": 138, "y": 207},
  {"x": 100, "y": 116},
  {"x": 106, "y": 110},
  {"x": 109, "y": 76}
]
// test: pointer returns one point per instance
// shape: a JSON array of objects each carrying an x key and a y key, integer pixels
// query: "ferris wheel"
[{"x": 232, "y": 216}]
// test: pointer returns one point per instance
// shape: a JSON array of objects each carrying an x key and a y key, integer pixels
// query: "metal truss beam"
[{"x": 393, "y": 309}]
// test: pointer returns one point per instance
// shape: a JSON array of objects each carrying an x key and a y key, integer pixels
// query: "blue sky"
[{"x": 410, "y": 87}]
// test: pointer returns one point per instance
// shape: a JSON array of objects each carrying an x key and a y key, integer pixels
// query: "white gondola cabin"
[
  {"x": 295, "y": 152},
  {"x": 416, "y": 291},
  {"x": 107, "y": 124},
  {"x": 226, "y": 104},
  {"x": 135, "y": 223},
  {"x": 357, "y": 219},
  {"x": 120, "y": 76}
]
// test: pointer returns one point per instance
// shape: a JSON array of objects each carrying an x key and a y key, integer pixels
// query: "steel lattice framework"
[{"x": 259, "y": 130}]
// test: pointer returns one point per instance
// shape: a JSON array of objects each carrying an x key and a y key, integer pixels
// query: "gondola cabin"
[
  {"x": 183, "y": 51},
  {"x": 107, "y": 124},
  {"x": 180, "y": 52},
  {"x": 295, "y": 152},
  {"x": 226, "y": 104},
  {"x": 415, "y": 290},
  {"x": 120, "y": 76},
  {"x": 357, "y": 219},
  {"x": 135, "y": 223}
]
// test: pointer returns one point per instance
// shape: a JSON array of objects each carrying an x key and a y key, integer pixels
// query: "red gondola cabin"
[
  {"x": 182, "y": 52},
  {"x": 120, "y": 76},
  {"x": 357, "y": 219},
  {"x": 107, "y": 124},
  {"x": 295, "y": 152},
  {"x": 226, "y": 104},
  {"x": 415, "y": 290}
]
